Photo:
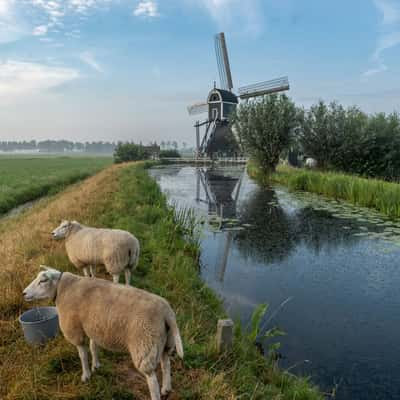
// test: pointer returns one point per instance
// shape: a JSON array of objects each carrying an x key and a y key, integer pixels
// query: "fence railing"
[{"x": 233, "y": 160}]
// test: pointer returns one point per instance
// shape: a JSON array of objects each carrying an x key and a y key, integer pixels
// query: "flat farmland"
[{"x": 26, "y": 179}]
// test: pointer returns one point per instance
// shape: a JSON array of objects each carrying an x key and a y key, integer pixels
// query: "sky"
[{"x": 127, "y": 69}]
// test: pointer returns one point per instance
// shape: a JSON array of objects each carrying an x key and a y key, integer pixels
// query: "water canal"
[{"x": 329, "y": 271}]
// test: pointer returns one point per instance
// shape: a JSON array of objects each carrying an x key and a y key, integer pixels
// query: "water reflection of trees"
[{"x": 275, "y": 233}]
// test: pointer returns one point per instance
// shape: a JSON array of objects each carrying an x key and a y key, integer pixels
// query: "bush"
[
  {"x": 130, "y": 152},
  {"x": 351, "y": 141},
  {"x": 172, "y": 153}
]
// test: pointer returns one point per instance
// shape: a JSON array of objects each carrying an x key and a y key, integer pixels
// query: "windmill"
[{"x": 222, "y": 102}]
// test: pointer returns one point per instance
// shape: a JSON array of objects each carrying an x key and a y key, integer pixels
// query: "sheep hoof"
[
  {"x": 85, "y": 377},
  {"x": 165, "y": 393},
  {"x": 95, "y": 366}
]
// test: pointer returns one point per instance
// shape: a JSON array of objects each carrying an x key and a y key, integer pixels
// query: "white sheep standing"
[
  {"x": 116, "y": 317},
  {"x": 116, "y": 249},
  {"x": 311, "y": 163}
]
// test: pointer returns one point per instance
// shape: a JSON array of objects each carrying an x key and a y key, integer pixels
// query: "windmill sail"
[
  {"x": 224, "y": 68},
  {"x": 197, "y": 108},
  {"x": 263, "y": 88}
]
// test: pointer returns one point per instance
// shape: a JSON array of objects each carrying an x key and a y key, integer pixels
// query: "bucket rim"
[{"x": 42, "y": 320}]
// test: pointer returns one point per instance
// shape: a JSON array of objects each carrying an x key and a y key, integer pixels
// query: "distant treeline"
[{"x": 58, "y": 146}]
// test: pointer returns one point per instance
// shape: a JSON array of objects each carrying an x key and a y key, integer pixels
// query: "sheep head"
[
  {"x": 63, "y": 230},
  {"x": 44, "y": 286}
]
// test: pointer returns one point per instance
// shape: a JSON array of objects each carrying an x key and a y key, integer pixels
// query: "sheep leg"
[
  {"x": 116, "y": 278},
  {"x": 154, "y": 388},
  {"x": 83, "y": 355},
  {"x": 128, "y": 275},
  {"x": 85, "y": 271},
  {"x": 95, "y": 358},
  {"x": 92, "y": 271},
  {"x": 166, "y": 374}
]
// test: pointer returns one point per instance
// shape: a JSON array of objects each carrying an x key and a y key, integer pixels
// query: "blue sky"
[{"x": 127, "y": 69}]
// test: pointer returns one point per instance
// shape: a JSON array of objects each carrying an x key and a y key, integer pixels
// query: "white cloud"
[
  {"x": 386, "y": 41},
  {"x": 147, "y": 8},
  {"x": 53, "y": 8},
  {"x": 56, "y": 10},
  {"x": 235, "y": 14},
  {"x": 389, "y": 36},
  {"x": 376, "y": 70},
  {"x": 40, "y": 30},
  {"x": 5, "y": 7},
  {"x": 11, "y": 28},
  {"x": 88, "y": 58},
  {"x": 390, "y": 11},
  {"x": 20, "y": 78}
]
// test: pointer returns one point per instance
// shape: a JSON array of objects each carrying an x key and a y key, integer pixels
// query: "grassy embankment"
[
  {"x": 372, "y": 193},
  {"x": 24, "y": 179},
  {"x": 124, "y": 196}
]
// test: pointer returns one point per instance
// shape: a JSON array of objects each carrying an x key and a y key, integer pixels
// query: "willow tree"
[{"x": 264, "y": 128}]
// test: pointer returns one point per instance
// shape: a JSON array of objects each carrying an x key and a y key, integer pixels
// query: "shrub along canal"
[{"x": 329, "y": 271}]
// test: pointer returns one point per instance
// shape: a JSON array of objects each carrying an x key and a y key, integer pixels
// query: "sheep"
[
  {"x": 311, "y": 163},
  {"x": 117, "y": 250},
  {"x": 113, "y": 316}
]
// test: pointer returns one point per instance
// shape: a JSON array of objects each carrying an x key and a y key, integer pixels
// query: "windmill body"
[{"x": 217, "y": 138}]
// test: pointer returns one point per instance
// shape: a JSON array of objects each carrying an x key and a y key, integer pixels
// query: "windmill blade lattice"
[
  {"x": 263, "y": 88},
  {"x": 224, "y": 68},
  {"x": 197, "y": 108}
]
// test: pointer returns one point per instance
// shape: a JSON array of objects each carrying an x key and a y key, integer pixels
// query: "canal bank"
[
  {"x": 126, "y": 197},
  {"x": 376, "y": 194}
]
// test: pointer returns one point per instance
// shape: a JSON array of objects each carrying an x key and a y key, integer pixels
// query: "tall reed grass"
[{"x": 372, "y": 193}]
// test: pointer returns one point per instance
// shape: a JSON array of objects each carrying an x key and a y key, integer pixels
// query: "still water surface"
[{"x": 329, "y": 271}]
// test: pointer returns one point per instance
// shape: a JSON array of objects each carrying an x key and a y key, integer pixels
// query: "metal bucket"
[{"x": 39, "y": 324}]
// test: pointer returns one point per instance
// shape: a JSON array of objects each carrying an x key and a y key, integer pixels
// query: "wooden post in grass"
[{"x": 224, "y": 335}]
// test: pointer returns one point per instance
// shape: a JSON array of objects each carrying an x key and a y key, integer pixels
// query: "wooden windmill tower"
[{"x": 217, "y": 137}]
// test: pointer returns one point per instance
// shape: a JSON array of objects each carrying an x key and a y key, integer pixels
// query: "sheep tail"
[
  {"x": 134, "y": 257},
  {"x": 171, "y": 322}
]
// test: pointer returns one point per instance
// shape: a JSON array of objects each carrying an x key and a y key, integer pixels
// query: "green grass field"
[{"x": 24, "y": 179}]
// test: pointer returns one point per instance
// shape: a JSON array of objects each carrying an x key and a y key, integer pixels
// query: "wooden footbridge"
[{"x": 207, "y": 160}]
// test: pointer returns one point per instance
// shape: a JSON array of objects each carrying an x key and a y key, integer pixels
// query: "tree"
[
  {"x": 264, "y": 128},
  {"x": 129, "y": 152},
  {"x": 171, "y": 153},
  {"x": 322, "y": 132}
]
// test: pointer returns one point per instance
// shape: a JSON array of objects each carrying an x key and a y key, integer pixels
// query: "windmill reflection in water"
[{"x": 221, "y": 193}]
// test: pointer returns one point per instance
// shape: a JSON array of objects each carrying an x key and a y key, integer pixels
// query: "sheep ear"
[{"x": 50, "y": 271}]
